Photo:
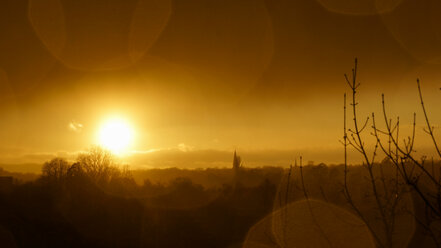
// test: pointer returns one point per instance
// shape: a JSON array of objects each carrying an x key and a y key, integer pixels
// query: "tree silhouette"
[
  {"x": 411, "y": 173},
  {"x": 56, "y": 169},
  {"x": 98, "y": 164}
]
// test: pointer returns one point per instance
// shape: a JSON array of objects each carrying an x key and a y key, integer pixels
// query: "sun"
[{"x": 116, "y": 135}]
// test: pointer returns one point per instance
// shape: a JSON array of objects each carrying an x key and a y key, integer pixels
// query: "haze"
[{"x": 197, "y": 80}]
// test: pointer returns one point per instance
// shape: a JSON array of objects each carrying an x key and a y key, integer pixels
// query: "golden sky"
[{"x": 197, "y": 79}]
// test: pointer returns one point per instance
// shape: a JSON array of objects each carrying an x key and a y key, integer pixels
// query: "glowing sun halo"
[{"x": 115, "y": 135}]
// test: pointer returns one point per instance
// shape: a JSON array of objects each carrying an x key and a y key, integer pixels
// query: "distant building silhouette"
[
  {"x": 6, "y": 183},
  {"x": 237, "y": 161},
  {"x": 237, "y": 164}
]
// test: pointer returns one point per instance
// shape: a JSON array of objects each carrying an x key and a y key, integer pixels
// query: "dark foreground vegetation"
[{"x": 94, "y": 203}]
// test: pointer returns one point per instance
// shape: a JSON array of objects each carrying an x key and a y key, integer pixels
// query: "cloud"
[
  {"x": 189, "y": 157},
  {"x": 75, "y": 126},
  {"x": 41, "y": 157},
  {"x": 185, "y": 148}
]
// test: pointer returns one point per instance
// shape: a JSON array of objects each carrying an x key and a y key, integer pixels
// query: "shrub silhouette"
[{"x": 411, "y": 174}]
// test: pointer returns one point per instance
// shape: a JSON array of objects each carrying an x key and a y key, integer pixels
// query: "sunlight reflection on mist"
[{"x": 9, "y": 110}]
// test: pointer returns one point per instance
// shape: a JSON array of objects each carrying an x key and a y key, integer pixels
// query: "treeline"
[
  {"x": 208, "y": 177},
  {"x": 18, "y": 177},
  {"x": 95, "y": 202}
]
